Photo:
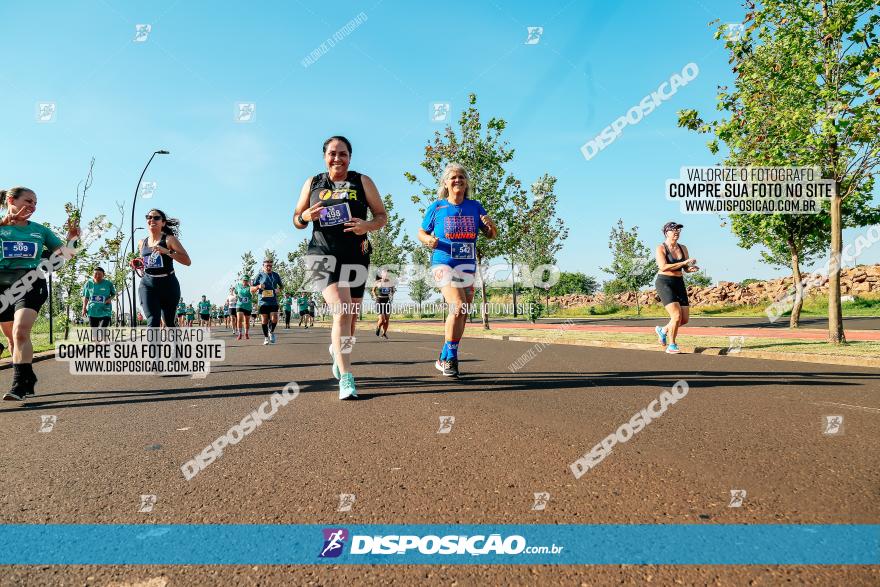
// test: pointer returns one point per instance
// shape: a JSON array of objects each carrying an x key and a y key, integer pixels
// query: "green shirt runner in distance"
[{"x": 97, "y": 294}]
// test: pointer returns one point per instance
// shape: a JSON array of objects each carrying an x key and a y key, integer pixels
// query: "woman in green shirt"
[
  {"x": 244, "y": 307},
  {"x": 98, "y": 294},
  {"x": 286, "y": 305},
  {"x": 23, "y": 289}
]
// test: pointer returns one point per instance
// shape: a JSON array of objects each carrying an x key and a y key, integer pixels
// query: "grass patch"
[
  {"x": 777, "y": 345},
  {"x": 865, "y": 305}
]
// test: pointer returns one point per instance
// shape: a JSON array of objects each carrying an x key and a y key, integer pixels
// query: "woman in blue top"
[{"x": 450, "y": 228}]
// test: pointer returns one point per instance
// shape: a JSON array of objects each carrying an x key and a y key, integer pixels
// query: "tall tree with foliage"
[
  {"x": 632, "y": 263},
  {"x": 544, "y": 231},
  {"x": 248, "y": 263},
  {"x": 484, "y": 154},
  {"x": 788, "y": 240},
  {"x": 295, "y": 275},
  {"x": 806, "y": 72}
]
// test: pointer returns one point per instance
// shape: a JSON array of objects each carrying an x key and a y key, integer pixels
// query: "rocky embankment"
[{"x": 855, "y": 281}]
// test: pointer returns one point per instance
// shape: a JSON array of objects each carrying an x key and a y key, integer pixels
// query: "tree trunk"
[
  {"x": 513, "y": 280},
  {"x": 835, "y": 316},
  {"x": 67, "y": 316},
  {"x": 794, "y": 321},
  {"x": 485, "y": 314}
]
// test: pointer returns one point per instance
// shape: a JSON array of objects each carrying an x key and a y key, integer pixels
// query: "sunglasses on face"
[{"x": 156, "y": 217}]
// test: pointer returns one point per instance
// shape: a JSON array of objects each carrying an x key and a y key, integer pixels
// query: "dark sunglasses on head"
[{"x": 156, "y": 217}]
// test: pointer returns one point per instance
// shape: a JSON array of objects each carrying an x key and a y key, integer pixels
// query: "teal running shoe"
[{"x": 346, "y": 387}]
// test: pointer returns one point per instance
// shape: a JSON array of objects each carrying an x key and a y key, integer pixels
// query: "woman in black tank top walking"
[
  {"x": 672, "y": 259},
  {"x": 159, "y": 289},
  {"x": 336, "y": 203}
]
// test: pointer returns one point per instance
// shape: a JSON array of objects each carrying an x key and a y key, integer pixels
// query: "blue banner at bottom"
[{"x": 600, "y": 544}]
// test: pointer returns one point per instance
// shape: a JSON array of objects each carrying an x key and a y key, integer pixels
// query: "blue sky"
[{"x": 234, "y": 185}]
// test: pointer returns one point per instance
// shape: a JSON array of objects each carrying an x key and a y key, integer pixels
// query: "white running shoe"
[{"x": 265, "y": 340}]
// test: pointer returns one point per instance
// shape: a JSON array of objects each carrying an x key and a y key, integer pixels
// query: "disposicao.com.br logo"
[{"x": 476, "y": 545}]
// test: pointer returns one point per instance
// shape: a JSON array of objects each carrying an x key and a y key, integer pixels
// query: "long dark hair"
[
  {"x": 172, "y": 225},
  {"x": 337, "y": 138}
]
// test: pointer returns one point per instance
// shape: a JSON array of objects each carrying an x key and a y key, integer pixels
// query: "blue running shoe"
[
  {"x": 660, "y": 334},
  {"x": 672, "y": 349}
]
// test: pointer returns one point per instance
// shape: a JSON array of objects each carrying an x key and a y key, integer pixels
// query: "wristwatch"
[{"x": 300, "y": 219}]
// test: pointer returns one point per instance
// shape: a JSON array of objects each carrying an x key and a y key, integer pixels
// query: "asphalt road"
[{"x": 745, "y": 424}]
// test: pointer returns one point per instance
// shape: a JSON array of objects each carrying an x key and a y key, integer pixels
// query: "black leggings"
[
  {"x": 99, "y": 322},
  {"x": 287, "y": 318},
  {"x": 159, "y": 298}
]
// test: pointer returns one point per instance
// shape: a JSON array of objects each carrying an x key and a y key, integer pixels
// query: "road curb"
[
  {"x": 713, "y": 351},
  {"x": 41, "y": 356}
]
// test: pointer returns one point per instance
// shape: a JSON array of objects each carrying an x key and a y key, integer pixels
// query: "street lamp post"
[{"x": 133, "y": 205}]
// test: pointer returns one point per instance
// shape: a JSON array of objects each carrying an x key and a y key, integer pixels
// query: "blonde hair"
[
  {"x": 15, "y": 192},
  {"x": 442, "y": 192}
]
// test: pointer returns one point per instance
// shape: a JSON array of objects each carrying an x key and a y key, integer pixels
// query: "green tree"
[
  {"x": 389, "y": 247},
  {"x": 632, "y": 263},
  {"x": 248, "y": 263},
  {"x": 805, "y": 72},
  {"x": 544, "y": 231},
  {"x": 295, "y": 277},
  {"x": 788, "y": 241},
  {"x": 698, "y": 279},
  {"x": 484, "y": 155},
  {"x": 574, "y": 283}
]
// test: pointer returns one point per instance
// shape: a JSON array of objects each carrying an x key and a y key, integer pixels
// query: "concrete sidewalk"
[{"x": 799, "y": 334}]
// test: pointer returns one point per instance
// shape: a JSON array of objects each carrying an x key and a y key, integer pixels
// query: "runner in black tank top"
[
  {"x": 672, "y": 259},
  {"x": 159, "y": 290},
  {"x": 336, "y": 204},
  {"x": 341, "y": 200}
]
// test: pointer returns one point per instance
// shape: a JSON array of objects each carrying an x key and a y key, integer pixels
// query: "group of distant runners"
[
  {"x": 343, "y": 207},
  {"x": 271, "y": 300}
]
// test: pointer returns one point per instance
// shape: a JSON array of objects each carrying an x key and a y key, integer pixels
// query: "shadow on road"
[
  {"x": 377, "y": 387},
  {"x": 541, "y": 382}
]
